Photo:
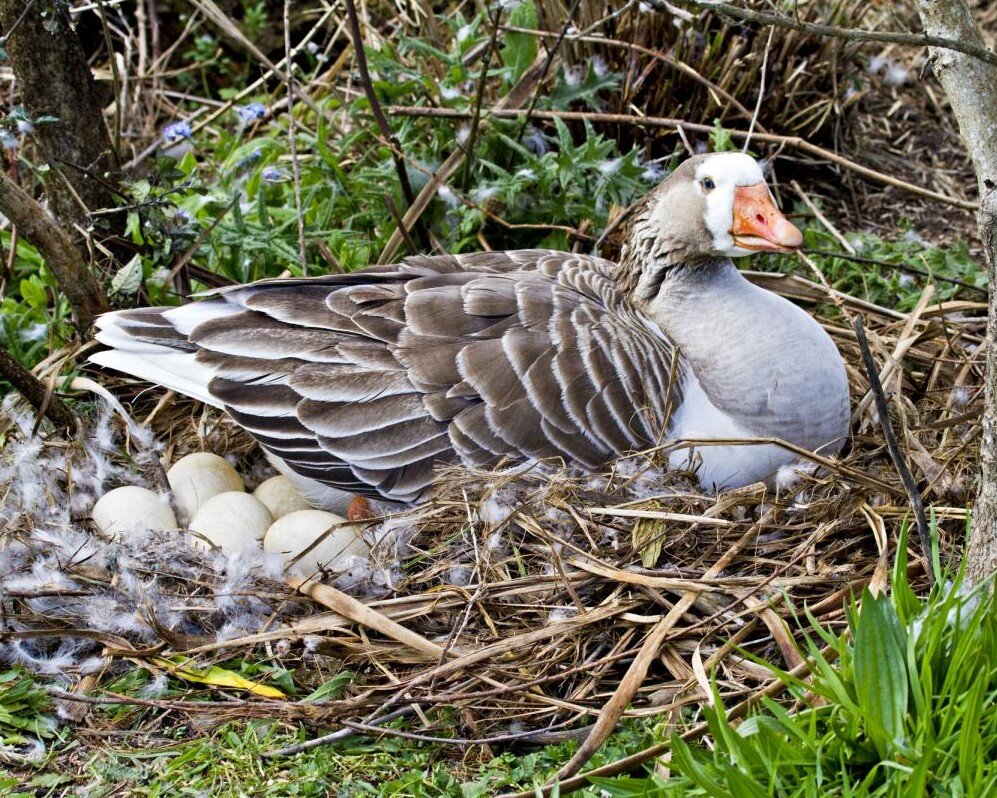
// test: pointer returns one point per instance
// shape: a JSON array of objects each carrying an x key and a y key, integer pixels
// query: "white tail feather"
[{"x": 177, "y": 370}]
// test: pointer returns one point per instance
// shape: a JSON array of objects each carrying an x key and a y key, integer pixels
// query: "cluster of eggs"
[{"x": 209, "y": 493}]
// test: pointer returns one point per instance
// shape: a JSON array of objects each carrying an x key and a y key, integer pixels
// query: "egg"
[
  {"x": 197, "y": 477},
  {"x": 233, "y": 521},
  {"x": 280, "y": 496},
  {"x": 295, "y": 532},
  {"x": 131, "y": 510}
]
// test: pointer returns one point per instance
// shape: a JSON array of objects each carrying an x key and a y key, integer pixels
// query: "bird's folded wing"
[{"x": 365, "y": 381}]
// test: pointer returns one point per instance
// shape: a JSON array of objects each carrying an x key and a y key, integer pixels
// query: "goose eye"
[{"x": 708, "y": 184}]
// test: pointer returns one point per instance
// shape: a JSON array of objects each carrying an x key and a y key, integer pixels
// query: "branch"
[
  {"x": 38, "y": 228},
  {"x": 893, "y": 447},
  {"x": 379, "y": 117},
  {"x": 35, "y": 391},
  {"x": 849, "y": 34}
]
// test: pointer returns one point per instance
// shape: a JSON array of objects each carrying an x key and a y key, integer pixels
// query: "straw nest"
[{"x": 515, "y": 602}]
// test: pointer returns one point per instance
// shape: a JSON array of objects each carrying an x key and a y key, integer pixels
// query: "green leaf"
[
  {"x": 720, "y": 138},
  {"x": 33, "y": 292},
  {"x": 881, "y": 672},
  {"x": 331, "y": 688},
  {"x": 520, "y": 49},
  {"x": 133, "y": 227},
  {"x": 128, "y": 279}
]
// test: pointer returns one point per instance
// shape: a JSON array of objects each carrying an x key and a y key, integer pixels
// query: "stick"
[
  {"x": 849, "y": 34},
  {"x": 679, "y": 124},
  {"x": 380, "y": 118},
  {"x": 893, "y": 447},
  {"x": 292, "y": 141},
  {"x": 36, "y": 392},
  {"x": 479, "y": 98}
]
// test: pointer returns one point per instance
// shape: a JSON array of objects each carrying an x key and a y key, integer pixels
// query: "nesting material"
[
  {"x": 198, "y": 477},
  {"x": 233, "y": 521},
  {"x": 280, "y": 496},
  {"x": 490, "y": 564},
  {"x": 132, "y": 510},
  {"x": 294, "y": 533}
]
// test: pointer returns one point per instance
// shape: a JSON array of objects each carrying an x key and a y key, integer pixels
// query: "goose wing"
[{"x": 365, "y": 381}]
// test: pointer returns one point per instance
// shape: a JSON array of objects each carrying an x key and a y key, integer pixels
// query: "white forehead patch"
[
  {"x": 727, "y": 170},
  {"x": 731, "y": 167}
]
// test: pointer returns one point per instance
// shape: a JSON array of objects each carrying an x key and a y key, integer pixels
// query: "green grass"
[
  {"x": 908, "y": 707},
  {"x": 229, "y": 762}
]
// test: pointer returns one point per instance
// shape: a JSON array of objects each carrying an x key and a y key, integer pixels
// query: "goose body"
[{"x": 362, "y": 383}]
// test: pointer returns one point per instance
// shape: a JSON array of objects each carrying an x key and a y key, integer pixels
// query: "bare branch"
[
  {"x": 679, "y": 124},
  {"x": 849, "y": 34},
  {"x": 35, "y": 391},
  {"x": 893, "y": 447},
  {"x": 379, "y": 117}
]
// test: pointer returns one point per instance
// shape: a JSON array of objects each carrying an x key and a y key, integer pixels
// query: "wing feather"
[{"x": 365, "y": 381}]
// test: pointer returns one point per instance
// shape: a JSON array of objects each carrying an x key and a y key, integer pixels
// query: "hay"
[{"x": 515, "y": 600}]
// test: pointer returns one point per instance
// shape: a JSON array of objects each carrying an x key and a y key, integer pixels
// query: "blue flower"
[
  {"x": 273, "y": 174},
  {"x": 250, "y": 113},
  {"x": 177, "y": 131}
]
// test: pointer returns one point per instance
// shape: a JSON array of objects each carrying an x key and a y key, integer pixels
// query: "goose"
[{"x": 360, "y": 384}]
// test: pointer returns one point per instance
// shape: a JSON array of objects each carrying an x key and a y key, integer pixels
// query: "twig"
[
  {"x": 292, "y": 140},
  {"x": 35, "y": 392},
  {"x": 551, "y": 54},
  {"x": 893, "y": 447},
  {"x": 761, "y": 92},
  {"x": 400, "y": 223},
  {"x": 821, "y": 217},
  {"x": 113, "y": 66},
  {"x": 479, "y": 98},
  {"x": 18, "y": 21},
  {"x": 380, "y": 118},
  {"x": 679, "y": 124},
  {"x": 657, "y": 55},
  {"x": 849, "y": 34},
  {"x": 333, "y": 737},
  {"x": 830, "y": 253}
]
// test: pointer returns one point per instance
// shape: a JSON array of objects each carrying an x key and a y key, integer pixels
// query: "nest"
[{"x": 510, "y": 605}]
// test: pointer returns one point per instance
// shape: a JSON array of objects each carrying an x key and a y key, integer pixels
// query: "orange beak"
[{"x": 759, "y": 225}]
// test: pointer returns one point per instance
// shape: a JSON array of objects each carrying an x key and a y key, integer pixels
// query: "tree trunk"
[
  {"x": 54, "y": 79},
  {"x": 971, "y": 87}
]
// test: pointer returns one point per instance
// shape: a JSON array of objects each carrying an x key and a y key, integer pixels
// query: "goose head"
[{"x": 713, "y": 206}]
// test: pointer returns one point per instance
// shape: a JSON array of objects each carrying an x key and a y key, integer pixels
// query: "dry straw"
[{"x": 523, "y": 601}]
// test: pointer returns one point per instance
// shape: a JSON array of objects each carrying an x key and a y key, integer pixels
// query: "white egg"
[
  {"x": 295, "y": 532},
  {"x": 197, "y": 477},
  {"x": 131, "y": 510},
  {"x": 280, "y": 496},
  {"x": 232, "y": 521}
]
